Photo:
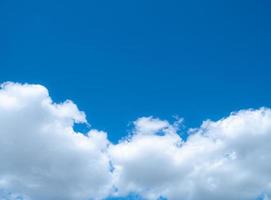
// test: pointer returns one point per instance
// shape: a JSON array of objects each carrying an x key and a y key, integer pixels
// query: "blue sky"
[
  {"x": 121, "y": 60},
  {"x": 125, "y": 59}
]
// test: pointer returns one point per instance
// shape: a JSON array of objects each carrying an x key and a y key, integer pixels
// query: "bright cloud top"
[{"x": 42, "y": 157}]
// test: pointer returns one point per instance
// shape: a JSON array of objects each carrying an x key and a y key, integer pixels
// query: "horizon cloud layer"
[{"x": 42, "y": 157}]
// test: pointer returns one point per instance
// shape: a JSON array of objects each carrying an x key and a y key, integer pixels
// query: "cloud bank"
[{"x": 43, "y": 158}]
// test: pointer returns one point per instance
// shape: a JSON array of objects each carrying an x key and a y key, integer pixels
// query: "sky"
[{"x": 119, "y": 61}]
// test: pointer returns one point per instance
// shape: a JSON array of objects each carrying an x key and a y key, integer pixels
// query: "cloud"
[
  {"x": 227, "y": 159},
  {"x": 42, "y": 157}
]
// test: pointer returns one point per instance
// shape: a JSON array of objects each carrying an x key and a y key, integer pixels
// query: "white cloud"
[
  {"x": 41, "y": 155},
  {"x": 43, "y": 158},
  {"x": 227, "y": 159}
]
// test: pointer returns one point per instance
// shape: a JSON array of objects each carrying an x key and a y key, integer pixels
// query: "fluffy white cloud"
[
  {"x": 41, "y": 155},
  {"x": 227, "y": 159},
  {"x": 43, "y": 158}
]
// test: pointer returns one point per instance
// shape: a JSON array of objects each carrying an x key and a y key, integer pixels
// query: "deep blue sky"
[{"x": 119, "y": 60}]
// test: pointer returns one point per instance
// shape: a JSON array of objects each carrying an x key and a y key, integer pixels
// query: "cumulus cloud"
[
  {"x": 42, "y": 157},
  {"x": 227, "y": 159}
]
